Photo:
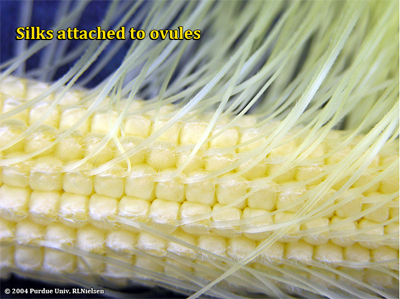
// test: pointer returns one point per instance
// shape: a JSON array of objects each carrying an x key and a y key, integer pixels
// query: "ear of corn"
[
  {"x": 124, "y": 223},
  {"x": 101, "y": 188}
]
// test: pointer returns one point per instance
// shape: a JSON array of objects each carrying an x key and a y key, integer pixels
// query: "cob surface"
[{"x": 108, "y": 190}]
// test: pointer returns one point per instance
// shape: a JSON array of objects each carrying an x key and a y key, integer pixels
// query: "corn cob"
[
  {"x": 132, "y": 224},
  {"x": 107, "y": 192}
]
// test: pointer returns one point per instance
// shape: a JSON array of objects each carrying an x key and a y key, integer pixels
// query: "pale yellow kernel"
[
  {"x": 91, "y": 142},
  {"x": 74, "y": 209},
  {"x": 257, "y": 171},
  {"x": 192, "y": 132},
  {"x": 165, "y": 213},
  {"x": 338, "y": 156},
  {"x": 128, "y": 143},
  {"x": 286, "y": 176},
  {"x": 217, "y": 162},
  {"x": 280, "y": 218},
  {"x": 161, "y": 155},
  {"x": 133, "y": 208},
  {"x": 17, "y": 174},
  {"x": 69, "y": 118},
  {"x": 9, "y": 131},
  {"x": 285, "y": 149},
  {"x": 131, "y": 106},
  {"x": 43, "y": 206},
  {"x": 319, "y": 151},
  {"x": 324, "y": 199},
  {"x": 287, "y": 272},
  {"x": 14, "y": 202},
  {"x": 230, "y": 214},
  {"x": 190, "y": 209},
  {"x": 111, "y": 182},
  {"x": 328, "y": 253},
  {"x": 272, "y": 253},
  {"x": 393, "y": 228},
  {"x": 322, "y": 277},
  {"x": 35, "y": 89},
  {"x": 177, "y": 269},
  {"x": 254, "y": 138},
  {"x": 231, "y": 190},
  {"x": 317, "y": 238},
  {"x": 182, "y": 250},
  {"x": 347, "y": 226},
  {"x": 205, "y": 270},
  {"x": 70, "y": 148},
  {"x": 87, "y": 265},
  {"x": 239, "y": 248},
  {"x": 340, "y": 181},
  {"x": 267, "y": 269},
  {"x": 28, "y": 232},
  {"x": 290, "y": 196},
  {"x": 375, "y": 162},
  {"x": 103, "y": 122},
  {"x": 172, "y": 189},
  {"x": 171, "y": 135},
  {"x": 247, "y": 121},
  {"x": 214, "y": 244},
  {"x": 61, "y": 234},
  {"x": 377, "y": 231},
  {"x": 389, "y": 185},
  {"x": 151, "y": 244},
  {"x": 102, "y": 211},
  {"x": 364, "y": 179},
  {"x": 46, "y": 174},
  {"x": 116, "y": 270},
  {"x": 208, "y": 115},
  {"x": 384, "y": 253},
  {"x": 28, "y": 258},
  {"x": 195, "y": 163},
  {"x": 39, "y": 140},
  {"x": 138, "y": 125},
  {"x": 264, "y": 198},
  {"x": 140, "y": 182},
  {"x": 356, "y": 253},
  {"x": 394, "y": 211},
  {"x": 312, "y": 173},
  {"x": 388, "y": 159},
  {"x": 70, "y": 97},
  {"x": 378, "y": 214},
  {"x": 41, "y": 108},
  {"x": 56, "y": 260},
  {"x": 299, "y": 251},
  {"x": 378, "y": 279},
  {"x": 14, "y": 86},
  {"x": 164, "y": 111},
  {"x": 6, "y": 230},
  {"x": 76, "y": 181},
  {"x": 90, "y": 238},
  {"x": 201, "y": 192},
  {"x": 228, "y": 138},
  {"x": 353, "y": 273},
  {"x": 6, "y": 260},
  {"x": 11, "y": 103},
  {"x": 351, "y": 207},
  {"x": 147, "y": 264},
  {"x": 121, "y": 241},
  {"x": 249, "y": 213}
]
